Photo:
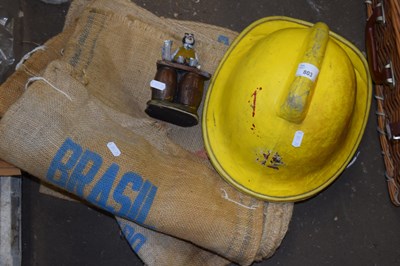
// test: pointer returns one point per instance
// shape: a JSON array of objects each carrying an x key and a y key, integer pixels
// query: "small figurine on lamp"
[
  {"x": 186, "y": 53},
  {"x": 177, "y": 88}
]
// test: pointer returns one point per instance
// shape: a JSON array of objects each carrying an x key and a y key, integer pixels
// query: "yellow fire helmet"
[{"x": 286, "y": 109}]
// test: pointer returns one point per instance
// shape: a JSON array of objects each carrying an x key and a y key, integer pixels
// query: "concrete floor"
[{"x": 352, "y": 222}]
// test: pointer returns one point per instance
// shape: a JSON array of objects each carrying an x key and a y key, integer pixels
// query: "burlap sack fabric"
[{"x": 80, "y": 126}]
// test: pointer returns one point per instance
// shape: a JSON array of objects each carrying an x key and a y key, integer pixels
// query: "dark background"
[{"x": 352, "y": 222}]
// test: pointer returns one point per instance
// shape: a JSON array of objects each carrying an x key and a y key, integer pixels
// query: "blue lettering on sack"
[
  {"x": 136, "y": 240},
  {"x": 102, "y": 189},
  {"x": 71, "y": 149},
  {"x": 74, "y": 169},
  {"x": 79, "y": 179},
  {"x": 145, "y": 207},
  {"x": 135, "y": 181}
]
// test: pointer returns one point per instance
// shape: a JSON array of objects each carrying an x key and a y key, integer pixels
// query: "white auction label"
[
  {"x": 157, "y": 85},
  {"x": 114, "y": 149},
  {"x": 307, "y": 70},
  {"x": 298, "y": 138}
]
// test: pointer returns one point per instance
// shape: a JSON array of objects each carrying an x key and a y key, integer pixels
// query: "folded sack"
[{"x": 81, "y": 126}]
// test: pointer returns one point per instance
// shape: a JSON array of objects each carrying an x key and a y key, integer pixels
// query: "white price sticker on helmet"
[
  {"x": 308, "y": 71},
  {"x": 298, "y": 138}
]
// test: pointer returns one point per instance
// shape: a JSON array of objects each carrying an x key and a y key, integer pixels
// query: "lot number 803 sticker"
[{"x": 308, "y": 71}]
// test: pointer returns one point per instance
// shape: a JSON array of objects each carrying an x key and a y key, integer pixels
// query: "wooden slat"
[{"x": 7, "y": 169}]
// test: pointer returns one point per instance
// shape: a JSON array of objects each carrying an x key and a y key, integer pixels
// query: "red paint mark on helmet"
[
  {"x": 254, "y": 102},
  {"x": 253, "y": 106}
]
